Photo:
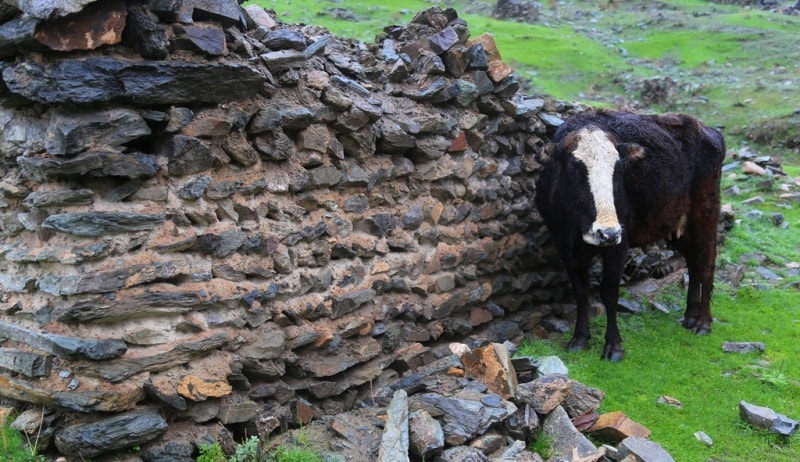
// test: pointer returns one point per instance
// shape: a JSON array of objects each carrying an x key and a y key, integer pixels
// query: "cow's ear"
[
  {"x": 630, "y": 151},
  {"x": 545, "y": 154}
]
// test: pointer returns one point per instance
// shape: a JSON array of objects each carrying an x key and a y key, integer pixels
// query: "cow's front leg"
[
  {"x": 613, "y": 262},
  {"x": 579, "y": 277}
]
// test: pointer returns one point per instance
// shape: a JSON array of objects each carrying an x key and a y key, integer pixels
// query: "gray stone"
[
  {"x": 186, "y": 154},
  {"x": 465, "y": 419},
  {"x": 111, "y": 435},
  {"x": 643, "y": 450},
  {"x": 123, "y": 368},
  {"x": 583, "y": 400},
  {"x": 193, "y": 188},
  {"x": 743, "y": 347},
  {"x": 105, "y": 79},
  {"x": 237, "y": 411},
  {"x": 73, "y": 131},
  {"x": 92, "y": 163},
  {"x": 75, "y": 401},
  {"x": 26, "y": 363},
  {"x": 567, "y": 441},
  {"x": 426, "y": 438},
  {"x": 764, "y": 417},
  {"x": 128, "y": 307},
  {"x": 65, "y": 347},
  {"x": 18, "y": 34},
  {"x": 61, "y": 198},
  {"x": 91, "y": 224},
  {"x": 351, "y": 302},
  {"x": 545, "y": 393},
  {"x": 112, "y": 280},
  {"x": 150, "y": 37},
  {"x": 463, "y": 454},
  {"x": 207, "y": 38},
  {"x": 395, "y": 438},
  {"x": 551, "y": 365}
]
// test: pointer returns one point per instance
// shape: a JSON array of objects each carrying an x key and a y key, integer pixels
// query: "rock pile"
[
  {"x": 212, "y": 222},
  {"x": 484, "y": 407}
]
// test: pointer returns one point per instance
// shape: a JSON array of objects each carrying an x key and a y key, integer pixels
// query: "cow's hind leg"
[
  {"x": 700, "y": 251},
  {"x": 613, "y": 263},
  {"x": 579, "y": 277}
]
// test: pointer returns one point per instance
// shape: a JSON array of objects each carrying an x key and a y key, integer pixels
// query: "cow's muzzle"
[{"x": 604, "y": 237}]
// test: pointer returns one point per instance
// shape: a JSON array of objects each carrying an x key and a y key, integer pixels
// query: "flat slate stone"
[
  {"x": 112, "y": 435},
  {"x": 105, "y": 79},
  {"x": 94, "y": 224},
  {"x": 65, "y": 347}
]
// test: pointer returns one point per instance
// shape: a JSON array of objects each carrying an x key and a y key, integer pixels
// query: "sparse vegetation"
[
  {"x": 254, "y": 449},
  {"x": 15, "y": 447}
]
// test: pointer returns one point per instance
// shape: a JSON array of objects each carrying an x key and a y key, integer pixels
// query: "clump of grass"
[
  {"x": 15, "y": 447},
  {"x": 254, "y": 449}
]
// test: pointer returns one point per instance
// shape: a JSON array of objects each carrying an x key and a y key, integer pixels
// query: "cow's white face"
[{"x": 599, "y": 155}]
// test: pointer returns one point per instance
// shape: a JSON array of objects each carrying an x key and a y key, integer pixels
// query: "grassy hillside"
[{"x": 735, "y": 68}]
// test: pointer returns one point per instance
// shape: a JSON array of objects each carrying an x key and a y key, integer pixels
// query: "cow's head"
[{"x": 588, "y": 167}]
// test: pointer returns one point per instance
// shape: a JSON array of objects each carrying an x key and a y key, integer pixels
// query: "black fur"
[{"x": 666, "y": 186}]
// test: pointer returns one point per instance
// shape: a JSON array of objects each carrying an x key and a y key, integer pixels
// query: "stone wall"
[{"x": 210, "y": 217}]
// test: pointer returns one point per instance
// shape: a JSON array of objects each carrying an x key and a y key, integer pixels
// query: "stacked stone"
[{"x": 208, "y": 216}]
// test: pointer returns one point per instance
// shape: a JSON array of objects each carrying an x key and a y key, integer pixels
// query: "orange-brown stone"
[
  {"x": 197, "y": 389},
  {"x": 614, "y": 427}
]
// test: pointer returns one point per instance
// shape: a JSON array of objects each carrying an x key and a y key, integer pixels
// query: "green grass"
[
  {"x": 662, "y": 358},
  {"x": 14, "y": 447}
]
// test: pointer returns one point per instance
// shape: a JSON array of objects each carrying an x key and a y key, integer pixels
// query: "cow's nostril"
[{"x": 608, "y": 236}]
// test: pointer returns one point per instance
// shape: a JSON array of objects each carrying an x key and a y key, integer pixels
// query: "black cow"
[{"x": 614, "y": 180}]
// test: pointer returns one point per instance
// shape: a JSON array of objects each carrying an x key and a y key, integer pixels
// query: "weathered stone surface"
[
  {"x": 92, "y": 224},
  {"x": 109, "y": 281},
  {"x": 764, "y": 417},
  {"x": 233, "y": 411},
  {"x": 18, "y": 34},
  {"x": 743, "y": 347},
  {"x": 567, "y": 442},
  {"x": 94, "y": 163},
  {"x": 121, "y": 308},
  {"x": 110, "y": 435},
  {"x": 65, "y": 347},
  {"x": 492, "y": 366},
  {"x": 99, "y": 24},
  {"x": 198, "y": 389},
  {"x": 545, "y": 393},
  {"x": 642, "y": 449},
  {"x": 61, "y": 198},
  {"x": 26, "y": 363},
  {"x": 124, "y": 368},
  {"x": 582, "y": 400},
  {"x": 77, "y": 401},
  {"x": 186, "y": 154},
  {"x": 105, "y": 79},
  {"x": 395, "y": 439},
  {"x": 73, "y": 131},
  {"x": 426, "y": 438},
  {"x": 464, "y": 419},
  {"x": 613, "y": 427}
]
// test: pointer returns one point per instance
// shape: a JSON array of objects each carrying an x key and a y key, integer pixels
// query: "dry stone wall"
[{"x": 211, "y": 217}]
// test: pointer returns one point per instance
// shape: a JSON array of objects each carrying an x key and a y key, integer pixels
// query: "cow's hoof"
[
  {"x": 578, "y": 344},
  {"x": 613, "y": 353},
  {"x": 701, "y": 329},
  {"x": 689, "y": 323}
]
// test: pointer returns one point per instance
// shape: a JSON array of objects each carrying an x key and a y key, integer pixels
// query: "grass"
[
  {"x": 15, "y": 447},
  {"x": 665, "y": 359}
]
